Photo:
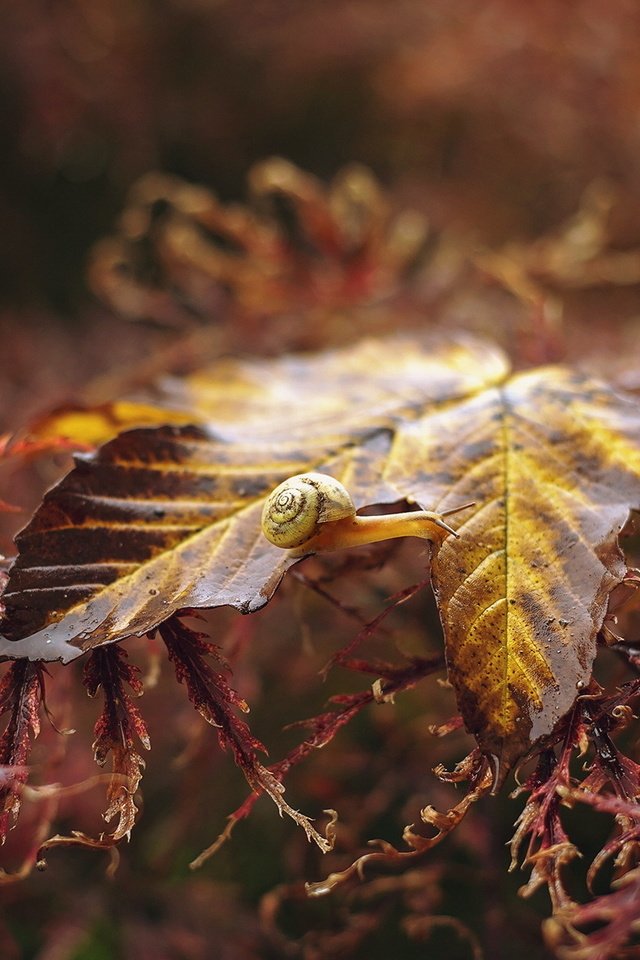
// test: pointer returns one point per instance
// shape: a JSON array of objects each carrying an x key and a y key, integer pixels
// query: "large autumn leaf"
[{"x": 168, "y": 517}]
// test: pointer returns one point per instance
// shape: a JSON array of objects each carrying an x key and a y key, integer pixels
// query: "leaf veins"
[{"x": 165, "y": 518}]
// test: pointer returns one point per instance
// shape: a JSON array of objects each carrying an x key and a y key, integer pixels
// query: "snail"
[{"x": 314, "y": 512}]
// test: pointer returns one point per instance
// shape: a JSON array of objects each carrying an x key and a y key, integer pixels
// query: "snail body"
[{"x": 313, "y": 512}]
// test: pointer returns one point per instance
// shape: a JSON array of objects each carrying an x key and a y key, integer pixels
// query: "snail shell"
[{"x": 294, "y": 510}]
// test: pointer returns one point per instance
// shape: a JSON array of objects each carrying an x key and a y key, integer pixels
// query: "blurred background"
[{"x": 492, "y": 120}]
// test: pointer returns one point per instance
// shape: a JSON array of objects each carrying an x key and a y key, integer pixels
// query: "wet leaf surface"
[
  {"x": 553, "y": 461},
  {"x": 163, "y": 518}
]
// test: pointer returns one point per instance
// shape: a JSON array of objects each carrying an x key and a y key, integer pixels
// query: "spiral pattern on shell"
[{"x": 294, "y": 510}]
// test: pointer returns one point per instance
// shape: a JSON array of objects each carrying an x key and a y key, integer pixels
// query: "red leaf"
[
  {"x": 115, "y": 731},
  {"x": 215, "y": 700},
  {"x": 549, "y": 849},
  {"x": 615, "y": 915},
  {"x": 21, "y": 692}
]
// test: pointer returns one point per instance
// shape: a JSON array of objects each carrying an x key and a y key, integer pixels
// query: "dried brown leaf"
[{"x": 166, "y": 518}]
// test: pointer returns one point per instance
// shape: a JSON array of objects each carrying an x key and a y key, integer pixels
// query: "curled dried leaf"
[
  {"x": 212, "y": 696},
  {"x": 116, "y": 730},
  {"x": 21, "y": 693},
  {"x": 179, "y": 251}
]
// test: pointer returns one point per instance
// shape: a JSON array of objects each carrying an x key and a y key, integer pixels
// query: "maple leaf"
[{"x": 165, "y": 518}]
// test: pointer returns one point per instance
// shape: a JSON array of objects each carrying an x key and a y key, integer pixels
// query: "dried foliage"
[
  {"x": 302, "y": 246},
  {"x": 612, "y": 786},
  {"x": 164, "y": 518},
  {"x": 115, "y": 731},
  {"x": 214, "y": 699},
  {"x": 21, "y": 693},
  {"x": 158, "y": 522}
]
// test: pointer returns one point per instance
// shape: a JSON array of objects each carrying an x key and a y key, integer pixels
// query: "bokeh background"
[
  {"x": 492, "y": 119},
  {"x": 495, "y": 117}
]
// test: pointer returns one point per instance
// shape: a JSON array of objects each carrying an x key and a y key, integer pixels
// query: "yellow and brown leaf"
[
  {"x": 553, "y": 461},
  {"x": 167, "y": 517}
]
